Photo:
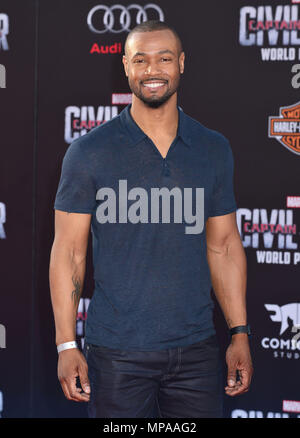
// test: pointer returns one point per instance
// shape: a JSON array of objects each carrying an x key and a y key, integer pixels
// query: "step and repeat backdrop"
[{"x": 60, "y": 76}]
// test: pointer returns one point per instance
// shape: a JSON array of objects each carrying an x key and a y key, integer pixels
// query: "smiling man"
[
  {"x": 151, "y": 90},
  {"x": 140, "y": 181}
]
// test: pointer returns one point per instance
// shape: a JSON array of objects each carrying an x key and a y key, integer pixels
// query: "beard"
[{"x": 153, "y": 101}]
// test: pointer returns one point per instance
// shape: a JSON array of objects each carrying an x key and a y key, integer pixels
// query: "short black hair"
[{"x": 152, "y": 26}]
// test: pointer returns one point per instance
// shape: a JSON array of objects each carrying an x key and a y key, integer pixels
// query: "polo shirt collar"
[
  {"x": 136, "y": 134},
  {"x": 183, "y": 127}
]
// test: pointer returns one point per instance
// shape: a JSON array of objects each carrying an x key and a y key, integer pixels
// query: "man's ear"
[
  {"x": 181, "y": 62},
  {"x": 125, "y": 64}
]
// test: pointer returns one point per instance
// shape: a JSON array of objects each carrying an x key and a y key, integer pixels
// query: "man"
[{"x": 156, "y": 186}]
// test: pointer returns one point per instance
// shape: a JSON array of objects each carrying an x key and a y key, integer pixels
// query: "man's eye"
[
  {"x": 166, "y": 59},
  {"x": 138, "y": 61}
]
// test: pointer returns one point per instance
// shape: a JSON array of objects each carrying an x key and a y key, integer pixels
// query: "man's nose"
[{"x": 152, "y": 68}]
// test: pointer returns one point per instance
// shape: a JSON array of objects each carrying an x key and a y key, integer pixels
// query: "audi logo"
[{"x": 125, "y": 17}]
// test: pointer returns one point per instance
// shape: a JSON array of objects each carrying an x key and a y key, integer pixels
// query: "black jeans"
[{"x": 181, "y": 382}]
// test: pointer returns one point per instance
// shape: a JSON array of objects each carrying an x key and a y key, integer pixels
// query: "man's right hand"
[{"x": 71, "y": 364}]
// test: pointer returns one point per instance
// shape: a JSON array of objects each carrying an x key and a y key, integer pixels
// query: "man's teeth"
[{"x": 154, "y": 84}]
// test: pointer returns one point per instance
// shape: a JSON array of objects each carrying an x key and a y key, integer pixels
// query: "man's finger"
[
  {"x": 245, "y": 377},
  {"x": 66, "y": 390},
  {"x": 232, "y": 388},
  {"x": 231, "y": 376},
  {"x": 238, "y": 389},
  {"x": 71, "y": 384},
  {"x": 235, "y": 392},
  {"x": 84, "y": 380}
]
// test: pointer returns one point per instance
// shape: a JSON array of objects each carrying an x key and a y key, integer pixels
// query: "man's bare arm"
[
  {"x": 66, "y": 277},
  {"x": 228, "y": 267}
]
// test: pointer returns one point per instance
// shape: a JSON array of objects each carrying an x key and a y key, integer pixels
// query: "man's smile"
[{"x": 154, "y": 85}]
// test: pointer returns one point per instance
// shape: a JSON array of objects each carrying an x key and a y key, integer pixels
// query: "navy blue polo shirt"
[{"x": 152, "y": 280}]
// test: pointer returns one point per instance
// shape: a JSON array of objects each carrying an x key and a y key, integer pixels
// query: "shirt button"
[{"x": 166, "y": 170}]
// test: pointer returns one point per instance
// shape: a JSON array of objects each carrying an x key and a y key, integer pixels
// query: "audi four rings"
[{"x": 125, "y": 18}]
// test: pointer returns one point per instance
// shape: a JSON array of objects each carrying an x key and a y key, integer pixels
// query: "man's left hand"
[{"x": 238, "y": 359}]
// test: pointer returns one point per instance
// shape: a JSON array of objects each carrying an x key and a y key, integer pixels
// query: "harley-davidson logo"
[{"x": 286, "y": 127}]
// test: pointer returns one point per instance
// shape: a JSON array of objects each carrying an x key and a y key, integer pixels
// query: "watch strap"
[{"x": 240, "y": 329}]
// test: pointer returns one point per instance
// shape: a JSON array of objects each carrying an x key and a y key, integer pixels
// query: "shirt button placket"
[{"x": 166, "y": 170}]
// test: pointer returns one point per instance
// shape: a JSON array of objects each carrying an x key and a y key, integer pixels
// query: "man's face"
[{"x": 153, "y": 66}]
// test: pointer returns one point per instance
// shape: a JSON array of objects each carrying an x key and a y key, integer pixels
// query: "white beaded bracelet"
[{"x": 67, "y": 346}]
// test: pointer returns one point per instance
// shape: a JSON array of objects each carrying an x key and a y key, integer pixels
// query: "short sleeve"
[
  {"x": 76, "y": 191},
  {"x": 223, "y": 198}
]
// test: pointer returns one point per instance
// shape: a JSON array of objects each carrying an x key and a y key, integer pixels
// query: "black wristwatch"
[{"x": 240, "y": 329}]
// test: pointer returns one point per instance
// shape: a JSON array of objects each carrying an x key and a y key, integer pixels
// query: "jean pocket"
[{"x": 106, "y": 358}]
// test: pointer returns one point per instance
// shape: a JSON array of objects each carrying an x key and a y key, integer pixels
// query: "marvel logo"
[
  {"x": 291, "y": 406},
  {"x": 293, "y": 201},
  {"x": 121, "y": 98}
]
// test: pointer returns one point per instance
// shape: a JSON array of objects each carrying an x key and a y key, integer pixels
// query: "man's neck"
[{"x": 156, "y": 122}]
